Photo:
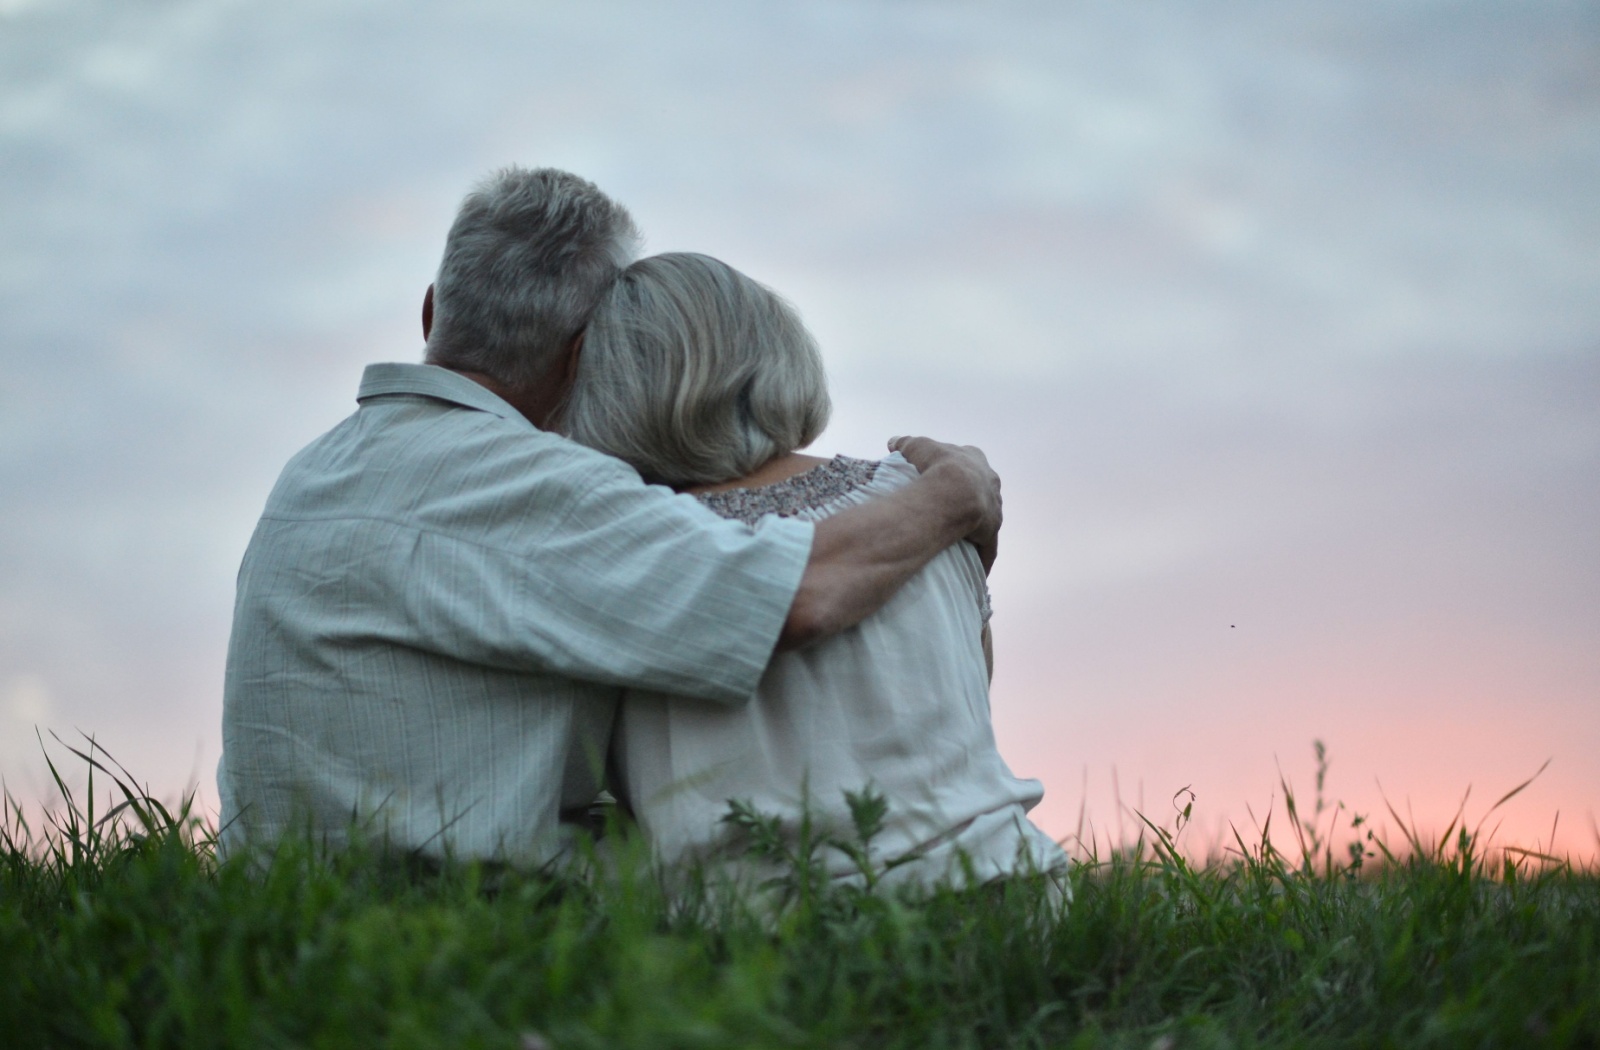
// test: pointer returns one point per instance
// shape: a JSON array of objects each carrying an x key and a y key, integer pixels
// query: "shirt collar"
[{"x": 383, "y": 380}]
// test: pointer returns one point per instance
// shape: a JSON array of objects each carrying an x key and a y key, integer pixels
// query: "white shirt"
[
  {"x": 900, "y": 702},
  {"x": 436, "y": 612}
]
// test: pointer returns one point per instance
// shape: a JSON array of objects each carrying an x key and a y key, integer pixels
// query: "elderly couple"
[{"x": 578, "y": 547}]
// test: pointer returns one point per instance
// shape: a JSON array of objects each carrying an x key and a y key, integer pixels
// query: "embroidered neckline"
[{"x": 809, "y": 490}]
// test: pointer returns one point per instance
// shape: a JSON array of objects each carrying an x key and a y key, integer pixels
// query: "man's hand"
[
  {"x": 863, "y": 554},
  {"x": 966, "y": 472}
]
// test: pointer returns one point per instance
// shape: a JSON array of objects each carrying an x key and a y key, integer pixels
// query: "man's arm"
[{"x": 860, "y": 557}]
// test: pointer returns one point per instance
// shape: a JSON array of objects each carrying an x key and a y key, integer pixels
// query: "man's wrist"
[
  {"x": 965, "y": 492},
  {"x": 958, "y": 501}
]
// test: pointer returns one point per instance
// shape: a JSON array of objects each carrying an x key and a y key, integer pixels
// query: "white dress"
[{"x": 899, "y": 702}]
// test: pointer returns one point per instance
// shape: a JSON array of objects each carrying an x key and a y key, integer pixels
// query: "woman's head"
[{"x": 694, "y": 373}]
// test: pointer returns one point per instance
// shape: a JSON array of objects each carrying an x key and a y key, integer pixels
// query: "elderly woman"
[{"x": 706, "y": 381}]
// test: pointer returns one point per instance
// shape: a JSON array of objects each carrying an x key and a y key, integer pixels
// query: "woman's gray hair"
[
  {"x": 694, "y": 373},
  {"x": 527, "y": 259}
]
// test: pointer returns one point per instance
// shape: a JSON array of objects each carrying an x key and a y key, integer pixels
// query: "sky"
[{"x": 1280, "y": 320}]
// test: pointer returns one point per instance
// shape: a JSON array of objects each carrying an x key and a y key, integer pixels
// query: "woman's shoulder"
[{"x": 840, "y": 482}]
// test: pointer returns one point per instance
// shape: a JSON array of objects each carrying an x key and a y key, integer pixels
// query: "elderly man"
[{"x": 443, "y": 598}]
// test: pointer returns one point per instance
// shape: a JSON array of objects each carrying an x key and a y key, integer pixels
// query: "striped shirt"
[{"x": 439, "y": 608}]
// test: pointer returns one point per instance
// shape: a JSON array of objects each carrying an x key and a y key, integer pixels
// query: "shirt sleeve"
[{"x": 574, "y": 566}]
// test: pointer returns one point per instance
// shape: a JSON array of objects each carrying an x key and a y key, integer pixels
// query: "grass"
[{"x": 119, "y": 928}]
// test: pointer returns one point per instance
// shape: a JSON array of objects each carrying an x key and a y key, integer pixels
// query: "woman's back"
[{"x": 899, "y": 703}]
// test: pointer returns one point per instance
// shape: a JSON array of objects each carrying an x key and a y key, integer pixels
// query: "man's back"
[{"x": 435, "y": 611}]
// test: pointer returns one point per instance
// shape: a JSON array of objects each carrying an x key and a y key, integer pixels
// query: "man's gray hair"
[
  {"x": 528, "y": 258},
  {"x": 694, "y": 373}
]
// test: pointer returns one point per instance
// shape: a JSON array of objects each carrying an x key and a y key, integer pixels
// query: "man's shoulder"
[{"x": 422, "y": 462}]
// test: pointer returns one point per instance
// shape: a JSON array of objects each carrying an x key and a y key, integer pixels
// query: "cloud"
[
  {"x": 25, "y": 700},
  {"x": 25, "y": 708}
]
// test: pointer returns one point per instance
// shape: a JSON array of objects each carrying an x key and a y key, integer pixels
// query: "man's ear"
[{"x": 427, "y": 313}]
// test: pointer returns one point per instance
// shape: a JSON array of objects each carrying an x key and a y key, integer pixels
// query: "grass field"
[{"x": 120, "y": 929}]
